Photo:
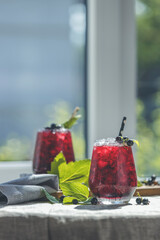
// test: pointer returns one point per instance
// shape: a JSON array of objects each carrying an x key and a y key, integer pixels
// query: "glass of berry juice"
[
  {"x": 112, "y": 177},
  {"x": 50, "y": 142}
]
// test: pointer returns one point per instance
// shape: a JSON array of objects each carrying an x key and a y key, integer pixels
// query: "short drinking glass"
[
  {"x": 49, "y": 143},
  {"x": 112, "y": 177}
]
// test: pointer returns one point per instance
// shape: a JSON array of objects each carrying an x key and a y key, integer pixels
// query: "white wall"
[{"x": 111, "y": 68}]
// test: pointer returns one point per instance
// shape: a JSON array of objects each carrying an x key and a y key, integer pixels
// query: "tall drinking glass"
[{"x": 112, "y": 177}]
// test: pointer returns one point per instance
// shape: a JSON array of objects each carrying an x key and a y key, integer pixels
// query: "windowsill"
[{"x": 10, "y": 170}]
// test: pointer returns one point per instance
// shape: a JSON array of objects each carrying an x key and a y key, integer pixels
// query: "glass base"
[{"x": 109, "y": 201}]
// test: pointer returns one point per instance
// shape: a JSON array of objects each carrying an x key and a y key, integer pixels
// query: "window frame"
[{"x": 111, "y": 69}]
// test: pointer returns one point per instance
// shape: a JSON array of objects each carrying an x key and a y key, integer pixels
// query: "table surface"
[{"x": 56, "y": 221}]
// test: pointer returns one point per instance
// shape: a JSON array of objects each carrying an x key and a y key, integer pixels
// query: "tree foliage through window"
[{"x": 148, "y": 104}]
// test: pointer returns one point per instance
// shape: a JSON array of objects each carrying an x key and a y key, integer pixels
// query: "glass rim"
[
  {"x": 55, "y": 130},
  {"x": 107, "y": 142}
]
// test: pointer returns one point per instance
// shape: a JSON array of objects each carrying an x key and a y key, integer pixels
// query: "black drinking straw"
[{"x": 122, "y": 126}]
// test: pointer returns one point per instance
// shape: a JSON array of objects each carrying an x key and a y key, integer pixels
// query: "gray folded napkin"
[{"x": 28, "y": 188}]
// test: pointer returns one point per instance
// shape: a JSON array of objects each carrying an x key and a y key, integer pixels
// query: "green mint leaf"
[
  {"x": 50, "y": 197},
  {"x": 139, "y": 184},
  {"x": 74, "y": 171},
  {"x": 59, "y": 159},
  {"x": 88, "y": 201},
  {"x": 68, "y": 124},
  {"x": 68, "y": 200},
  {"x": 76, "y": 190}
]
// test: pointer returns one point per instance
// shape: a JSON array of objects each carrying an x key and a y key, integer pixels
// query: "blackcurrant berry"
[
  {"x": 61, "y": 199},
  {"x": 153, "y": 177},
  {"x": 119, "y": 139},
  {"x": 138, "y": 200},
  {"x": 149, "y": 182},
  {"x": 75, "y": 201},
  {"x": 55, "y": 126},
  {"x": 94, "y": 201},
  {"x": 145, "y": 201},
  {"x": 130, "y": 143}
]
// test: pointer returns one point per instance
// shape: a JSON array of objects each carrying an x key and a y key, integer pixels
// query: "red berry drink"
[
  {"x": 48, "y": 144},
  {"x": 112, "y": 175}
]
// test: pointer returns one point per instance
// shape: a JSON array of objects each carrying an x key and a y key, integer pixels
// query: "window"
[
  {"x": 111, "y": 61},
  {"x": 148, "y": 103},
  {"x": 42, "y": 71}
]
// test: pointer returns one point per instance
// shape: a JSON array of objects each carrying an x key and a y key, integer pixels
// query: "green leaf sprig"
[
  {"x": 139, "y": 184},
  {"x": 58, "y": 160},
  {"x": 49, "y": 197},
  {"x": 68, "y": 124},
  {"x": 73, "y": 178}
]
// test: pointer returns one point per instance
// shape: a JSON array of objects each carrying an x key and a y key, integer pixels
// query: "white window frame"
[
  {"x": 111, "y": 87},
  {"x": 111, "y": 68},
  {"x": 10, "y": 170}
]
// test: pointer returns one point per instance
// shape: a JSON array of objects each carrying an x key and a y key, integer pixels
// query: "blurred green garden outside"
[{"x": 148, "y": 87}]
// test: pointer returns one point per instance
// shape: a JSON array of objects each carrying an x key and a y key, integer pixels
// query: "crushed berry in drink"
[
  {"x": 112, "y": 173},
  {"x": 48, "y": 144}
]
